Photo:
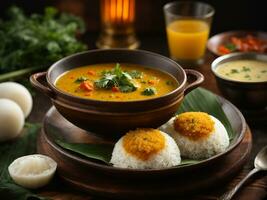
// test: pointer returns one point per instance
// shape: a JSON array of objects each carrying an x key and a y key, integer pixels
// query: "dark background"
[{"x": 230, "y": 14}]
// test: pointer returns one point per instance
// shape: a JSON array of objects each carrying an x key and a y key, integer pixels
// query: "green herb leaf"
[
  {"x": 31, "y": 43},
  {"x": 117, "y": 70},
  {"x": 135, "y": 74},
  {"x": 126, "y": 75},
  {"x": 106, "y": 82},
  {"x": 246, "y": 69},
  {"x": 81, "y": 79},
  {"x": 116, "y": 78},
  {"x": 149, "y": 92},
  {"x": 234, "y": 71},
  {"x": 100, "y": 152},
  {"x": 230, "y": 46},
  {"x": 127, "y": 88},
  {"x": 37, "y": 40}
]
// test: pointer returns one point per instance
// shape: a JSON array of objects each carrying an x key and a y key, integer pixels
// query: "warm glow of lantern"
[
  {"x": 118, "y": 11},
  {"x": 117, "y": 20}
]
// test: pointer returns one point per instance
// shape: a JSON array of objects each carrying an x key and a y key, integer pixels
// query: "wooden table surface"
[{"x": 157, "y": 44}]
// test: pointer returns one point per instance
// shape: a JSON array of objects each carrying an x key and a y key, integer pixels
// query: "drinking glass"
[{"x": 188, "y": 26}]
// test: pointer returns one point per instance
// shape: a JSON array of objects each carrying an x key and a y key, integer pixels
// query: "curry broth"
[
  {"x": 162, "y": 82},
  {"x": 244, "y": 70}
]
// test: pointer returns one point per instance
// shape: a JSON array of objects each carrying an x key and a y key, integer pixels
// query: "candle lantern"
[{"x": 117, "y": 23}]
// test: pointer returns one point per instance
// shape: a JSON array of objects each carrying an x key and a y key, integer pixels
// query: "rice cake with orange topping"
[
  {"x": 146, "y": 149},
  {"x": 197, "y": 134}
]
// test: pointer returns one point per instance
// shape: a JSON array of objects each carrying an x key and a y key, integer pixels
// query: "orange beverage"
[
  {"x": 187, "y": 39},
  {"x": 188, "y": 26}
]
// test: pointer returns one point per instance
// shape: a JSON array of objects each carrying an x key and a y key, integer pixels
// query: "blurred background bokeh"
[{"x": 230, "y": 14}]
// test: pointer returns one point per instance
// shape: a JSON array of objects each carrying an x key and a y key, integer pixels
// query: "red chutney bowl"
[{"x": 111, "y": 119}]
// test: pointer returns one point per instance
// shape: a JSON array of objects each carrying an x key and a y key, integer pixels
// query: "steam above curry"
[{"x": 116, "y": 82}]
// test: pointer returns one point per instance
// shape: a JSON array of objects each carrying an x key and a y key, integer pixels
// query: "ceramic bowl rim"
[{"x": 237, "y": 56}]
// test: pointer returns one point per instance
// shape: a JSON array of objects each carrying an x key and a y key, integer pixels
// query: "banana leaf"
[{"x": 100, "y": 152}]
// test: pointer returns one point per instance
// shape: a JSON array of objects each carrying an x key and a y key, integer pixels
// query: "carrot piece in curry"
[
  {"x": 115, "y": 89},
  {"x": 91, "y": 72},
  {"x": 87, "y": 86}
]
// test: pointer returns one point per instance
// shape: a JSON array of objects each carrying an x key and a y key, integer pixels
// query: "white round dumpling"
[
  {"x": 198, "y": 134},
  {"x": 11, "y": 119},
  {"x": 18, "y": 93},
  {"x": 145, "y": 148},
  {"x": 32, "y": 171}
]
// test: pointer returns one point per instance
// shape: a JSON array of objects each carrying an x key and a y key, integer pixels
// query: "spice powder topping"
[
  {"x": 194, "y": 125},
  {"x": 143, "y": 143}
]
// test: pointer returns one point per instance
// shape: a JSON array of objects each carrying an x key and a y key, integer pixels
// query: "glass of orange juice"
[{"x": 188, "y": 26}]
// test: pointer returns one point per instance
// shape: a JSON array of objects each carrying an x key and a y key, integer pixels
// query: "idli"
[
  {"x": 197, "y": 134},
  {"x": 146, "y": 149}
]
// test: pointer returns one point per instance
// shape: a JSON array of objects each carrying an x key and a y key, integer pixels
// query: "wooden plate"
[
  {"x": 215, "y": 41},
  {"x": 108, "y": 181}
]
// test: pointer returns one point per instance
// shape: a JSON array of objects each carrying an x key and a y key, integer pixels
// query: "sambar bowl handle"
[
  {"x": 194, "y": 79},
  {"x": 37, "y": 80}
]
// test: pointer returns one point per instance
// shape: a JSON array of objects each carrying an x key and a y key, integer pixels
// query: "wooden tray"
[{"x": 73, "y": 169}]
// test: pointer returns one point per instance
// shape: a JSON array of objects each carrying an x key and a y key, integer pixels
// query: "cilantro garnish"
[
  {"x": 230, "y": 46},
  {"x": 245, "y": 69},
  {"x": 81, "y": 79},
  {"x": 116, "y": 78},
  {"x": 135, "y": 74},
  {"x": 234, "y": 71},
  {"x": 149, "y": 91}
]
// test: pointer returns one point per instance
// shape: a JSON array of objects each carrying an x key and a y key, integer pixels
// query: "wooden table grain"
[{"x": 256, "y": 187}]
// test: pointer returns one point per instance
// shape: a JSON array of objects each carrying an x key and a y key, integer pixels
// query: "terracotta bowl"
[
  {"x": 108, "y": 118},
  {"x": 245, "y": 95}
]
